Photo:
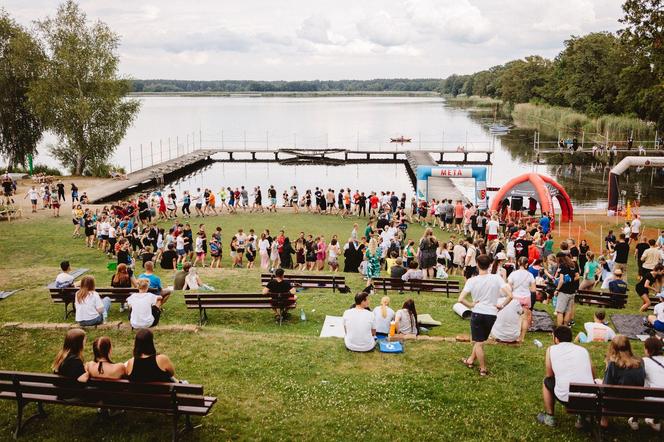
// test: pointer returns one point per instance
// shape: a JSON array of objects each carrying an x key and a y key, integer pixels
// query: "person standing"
[
  {"x": 484, "y": 289},
  {"x": 61, "y": 190},
  {"x": 622, "y": 253}
]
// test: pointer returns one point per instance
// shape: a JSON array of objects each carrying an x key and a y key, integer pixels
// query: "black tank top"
[{"x": 147, "y": 370}]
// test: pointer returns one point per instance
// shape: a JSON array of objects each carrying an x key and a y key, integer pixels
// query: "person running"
[
  {"x": 197, "y": 198},
  {"x": 484, "y": 289},
  {"x": 33, "y": 194},
  {"x": 646, "y": 285}
]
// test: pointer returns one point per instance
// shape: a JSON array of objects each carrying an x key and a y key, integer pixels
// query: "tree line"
[
  {"x": 236, "y": 86},
  {"x": 599, "y": 73},
  {"x": 62, "y": 77}
]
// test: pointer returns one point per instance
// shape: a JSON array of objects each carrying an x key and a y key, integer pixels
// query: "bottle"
[
  {"x": 392, "y": 328},
  {"x": 537, "y": 343},
  {"x": 303, "y": 317}
]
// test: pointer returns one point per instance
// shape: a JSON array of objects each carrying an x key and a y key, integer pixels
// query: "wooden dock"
[
  {"x": 167, "y": 171},
  {"x": 439, "y": 187}
]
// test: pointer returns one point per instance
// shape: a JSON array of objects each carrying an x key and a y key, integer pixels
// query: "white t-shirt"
[
  {"x": 459, "y": 254},
  {"x": 179, "y": 242},
  {"x": 598, "y": 332},
  {"x": 33, "y": 194},
  {"x": 659, "y": 311},
  {"x": 407, "y": 323},
  {"x": 507, "y": 327},
  {"x": 520, "y": 280},
  {"x": 104, "y": 227},
  {"x": 492, "y": 227},
  {"x": 87, "y": 310},
  {"x": 383, "y": 324},
  {"x": 141, "y": 309},
  {"x": 485, "y": 290},
  {"x": 64, "y": 279},
  {"x": 471, "y": 254},
  {"x": 570, "y": 363},
  {"x": 636, "y": 225},
  {"x": 111, "y": 231},
  {"x": 264, "y": 245},
  {"x": 358, "y": 324},
  {"x": 654, "y": 372},
  {"x": 199, "y": 245}
]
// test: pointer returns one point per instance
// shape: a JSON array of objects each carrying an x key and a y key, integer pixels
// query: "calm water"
[{"x": 168, "y": 126}]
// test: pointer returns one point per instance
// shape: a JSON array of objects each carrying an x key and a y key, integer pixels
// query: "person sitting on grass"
[
  {"x": 69, "y": 360},
  {"x": 359, "y": 325},
  {"x": 596, "y": 331},
  {"x": 147, "y": 365},
  {"x": 405, "y": 322},
  {"x": 180, "y": 276},
  {"x": 278, "y": 285},
  {"x": 565, "y": 363},
  {"x": 102, "y": 367},
  {"x": 155, "y": 282},
  {"x": 511, "y": 324},
  {"x": 91, "y": 309},
  {"x": 656, "y": 321},
  {"x": 383, "y": 316},
  {"x": 485, "y": 289},
  {"x": 623, "y": 368},
  {"x": 169, "y": 258},
  {"x": 64, "y": 278},
  {"x": 145, "y": 306}
]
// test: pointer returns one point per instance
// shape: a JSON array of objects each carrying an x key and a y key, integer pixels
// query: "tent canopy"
[{"x": 540, "y": 188}]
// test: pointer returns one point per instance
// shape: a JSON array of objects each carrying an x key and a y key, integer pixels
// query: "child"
[
  {"x": 215, "y": 252},
  {"x": 596, "y": 331},
  {"x": 200, "y": 253},
  {"x": 250, "y": 252}
]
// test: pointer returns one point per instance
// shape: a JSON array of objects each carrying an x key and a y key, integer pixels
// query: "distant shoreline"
[{"x": 290, "y": 94}]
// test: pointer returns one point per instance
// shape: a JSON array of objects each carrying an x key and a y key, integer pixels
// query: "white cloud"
[
  {"x": 384, "y": 30},
  {"x": 454, "y": 20}
]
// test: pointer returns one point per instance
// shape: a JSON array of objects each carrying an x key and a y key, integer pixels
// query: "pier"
[{"x": 166, "y": 171}]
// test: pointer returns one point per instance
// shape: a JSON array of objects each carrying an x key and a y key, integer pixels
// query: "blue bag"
[{"x": 390, "y": 347}]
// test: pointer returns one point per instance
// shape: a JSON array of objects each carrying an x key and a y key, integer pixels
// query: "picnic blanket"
[
  {"x": 426, "y": 320},
  {"x": 4, "y": 295},
  {"x": 631, "y": 326},
  {"x": 75, "y": 274},
  {"x": 541, "y": 322},
  {"x": 333, "y": 327}
]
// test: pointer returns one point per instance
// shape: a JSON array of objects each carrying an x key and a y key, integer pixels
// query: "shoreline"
[{"x": 290, "y": 94}]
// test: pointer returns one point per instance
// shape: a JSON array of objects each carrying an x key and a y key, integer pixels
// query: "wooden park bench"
[
  {"x": 282, "y": 302},
  {"x": 600, "y": 299},
  {"x": 334, "y": 282},
  {"x": 654, "y": 300},
  {"x": 598, "y": 400},
  {"x": 447, "y": 286},
  {"x": 66, "y": 296},
  {"x": 10, "y": 212},
  {"x": 174, "y": 399}
]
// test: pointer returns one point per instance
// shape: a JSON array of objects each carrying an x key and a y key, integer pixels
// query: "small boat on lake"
[
  {"x": 499, "y": 129},
  {"x": 401, "y": 140}
]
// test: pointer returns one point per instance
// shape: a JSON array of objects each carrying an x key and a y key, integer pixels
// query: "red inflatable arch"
[{"x": 540, "y": 188}]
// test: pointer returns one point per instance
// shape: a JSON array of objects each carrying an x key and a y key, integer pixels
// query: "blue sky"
[{"x": 315, "y": 39}]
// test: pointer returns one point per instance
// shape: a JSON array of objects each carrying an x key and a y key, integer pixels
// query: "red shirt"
[{"x": 373, "y": 201}]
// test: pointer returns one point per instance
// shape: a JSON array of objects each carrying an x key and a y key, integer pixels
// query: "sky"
[{"x": 331, "y": 40}]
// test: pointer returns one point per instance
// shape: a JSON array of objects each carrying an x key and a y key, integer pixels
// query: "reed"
[{"x": 473, "y": 101}]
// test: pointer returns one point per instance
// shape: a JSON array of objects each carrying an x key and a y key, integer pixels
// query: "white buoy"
[{"x": 461, "y": 310}]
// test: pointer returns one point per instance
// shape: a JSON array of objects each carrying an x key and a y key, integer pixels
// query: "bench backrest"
[
  {"x": 424, "y": 285},
  {"x": 211, "y": 300},
  {"x": 616, "y": 400},
  {"x": 67, "y": 294},
  {"x": 309, "y": 280},
  {"x": 592, "y": 297},
  {"x": 148, "y": 395}
]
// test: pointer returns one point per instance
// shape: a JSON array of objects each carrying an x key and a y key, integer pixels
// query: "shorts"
[
  {"x": 491, "y": 237},
  {"x": 457, "y": 220},
  {"x": 565, "y": 302},
  {"x": 330, "y": 205},
  {"x": 199, "y": 205},
  {"x": 480, "y": 326},
  {"x": 449, "y": 220},
  {"x": 658, "y": 325},
  {"x": 181, "y": 252},
  {"x": 633, "y": 235},
  {"x": 550, "y": 384},
  {"x": 469, "y": 272},
  {"x": 240, "y": 250},
  {"x": 104, "y": 237},
  {"x": 347, "y": 206},
  {"x": 34, "y": 202},
  {"x": 250, "y": 257},
  {"x": 273, "y": 201},
  {"x": 525, "y": 301},
  {"x": 200, "y": 254}
]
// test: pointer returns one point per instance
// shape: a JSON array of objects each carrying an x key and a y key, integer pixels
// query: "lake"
[{"x": 170, "y": 125}]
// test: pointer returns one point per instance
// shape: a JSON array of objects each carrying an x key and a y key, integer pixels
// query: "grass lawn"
[{"x": 283, "y": 383}]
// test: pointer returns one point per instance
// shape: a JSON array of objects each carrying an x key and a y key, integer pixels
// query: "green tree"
[
  {"x": 642, "y": 81},
  {"x": 522, "y": 80},
  {"x": 587, "y": 73},
  {"x": 80, "y": 96},
  {"x": 21, "y": 61}
]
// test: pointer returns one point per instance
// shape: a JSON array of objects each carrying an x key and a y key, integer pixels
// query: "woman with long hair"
[
  {"x": 91, "y": 309},
  {"x": 121, "y": 278},
  {"x": 147, "y": 365},
  {"x": 69, "y": 360},
  {"x": 590, "y": 269},
  {"x": 383, "y": 316},
  {"x": 427, "y": 254},
  {"x": 333, "y": 252},
  {"x": 103, "y": 367},
  {"x": 623, "y": 368},
  {"x": 567, "y": 283},
  {"x": 523, "y": 286},
  {"x": 406, "y": 319},
  {"x": 321, "y": 252},
  {"x": 264, "y": 251},
  {"x": 373, "y": 261}
]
